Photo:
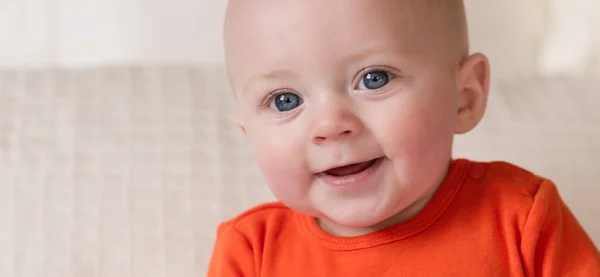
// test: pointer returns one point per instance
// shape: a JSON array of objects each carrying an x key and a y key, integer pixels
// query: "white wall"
[
  {"x": 26, "y": 32},
  {"x": 509, "y": 32},
  {"x": 36, "y": 33},
  {"x": 572, "y": 42},
  {"x": 148, "y": 31},
  {"x": 522, "y": 37}
]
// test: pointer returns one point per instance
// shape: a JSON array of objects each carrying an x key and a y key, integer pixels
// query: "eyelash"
[
  {"x": 272, "y": 94},
  {"x": 368, "y": 70}
]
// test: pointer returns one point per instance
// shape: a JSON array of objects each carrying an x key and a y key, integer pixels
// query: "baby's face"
[{"x": 325, "y": 84}]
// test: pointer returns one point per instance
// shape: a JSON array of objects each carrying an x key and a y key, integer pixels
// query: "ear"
[{"x": 473, "y": 88}]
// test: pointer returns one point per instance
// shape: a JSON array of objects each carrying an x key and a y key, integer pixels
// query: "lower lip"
[{"x": 354, "y": 179}]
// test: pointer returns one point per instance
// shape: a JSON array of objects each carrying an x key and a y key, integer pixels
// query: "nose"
[{"x": 335, "y": 123}]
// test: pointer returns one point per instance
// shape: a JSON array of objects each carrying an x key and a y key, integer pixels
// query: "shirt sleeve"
[
  {"x": 553, "y": 241},
  {"x": 232, "y": 254}
]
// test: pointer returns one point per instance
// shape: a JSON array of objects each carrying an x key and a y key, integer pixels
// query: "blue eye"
[
  {"x": 285, "y": 102},
  {"x": 374, "y": 80}
]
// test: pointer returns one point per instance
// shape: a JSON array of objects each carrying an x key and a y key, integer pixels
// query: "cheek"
[
  {"x": 418, "y": 132},
  {"x": 418, "y": 140},
  {"x": 279, "y": 155}
]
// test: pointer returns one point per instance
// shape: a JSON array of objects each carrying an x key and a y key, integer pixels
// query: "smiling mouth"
[{"x": 350, "y": 169}]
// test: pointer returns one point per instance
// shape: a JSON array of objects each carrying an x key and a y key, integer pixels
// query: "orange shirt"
[{"x": 486, "y": 219}]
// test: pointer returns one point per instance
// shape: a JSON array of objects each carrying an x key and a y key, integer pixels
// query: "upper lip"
[{"x": 347, "y": 164}]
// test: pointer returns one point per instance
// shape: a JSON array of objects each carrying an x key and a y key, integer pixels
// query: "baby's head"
[{"x": 380, "y": 85}]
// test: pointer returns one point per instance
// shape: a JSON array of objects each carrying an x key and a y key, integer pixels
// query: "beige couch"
[{"x": 127, "y": 171}]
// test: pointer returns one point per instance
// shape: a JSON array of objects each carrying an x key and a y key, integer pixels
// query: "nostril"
[{"x": 319, "y": 139}]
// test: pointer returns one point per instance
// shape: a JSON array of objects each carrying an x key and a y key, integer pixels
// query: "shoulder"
[
  {"x": 257, "y": 220},
  {"x": 501, "y": 178},
  {"x": 507, "y": 191},
  {"x": 241, "y": 238},
  {"x": 502, "y": 185}
]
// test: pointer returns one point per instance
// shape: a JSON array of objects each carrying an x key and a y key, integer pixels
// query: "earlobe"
[{"x": 474, "y": 85}]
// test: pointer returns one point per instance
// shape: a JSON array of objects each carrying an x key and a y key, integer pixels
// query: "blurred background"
[
  {"x": 119, "y": 157},
  {"x": 523, "y": 38}
]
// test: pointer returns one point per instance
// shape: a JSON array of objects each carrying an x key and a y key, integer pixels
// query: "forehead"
[{"x": 261, "y": 34}]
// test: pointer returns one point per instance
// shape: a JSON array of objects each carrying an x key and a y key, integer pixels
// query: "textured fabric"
[
  {"x": 117, "y": 172},
  {"x": 128, "y": 171},
  {"x": 486, "y": 219}
]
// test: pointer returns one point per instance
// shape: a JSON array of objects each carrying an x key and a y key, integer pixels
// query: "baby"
[{"x": 351, "y": 107}]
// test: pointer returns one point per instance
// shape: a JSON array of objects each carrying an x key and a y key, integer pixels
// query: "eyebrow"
[
  {"x": 364, "y": 53},
  {"x": 276, "y": 74},
  {"x": 379, "y": 50}
]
